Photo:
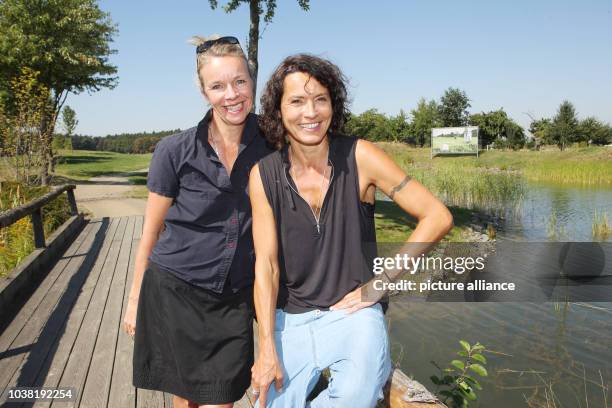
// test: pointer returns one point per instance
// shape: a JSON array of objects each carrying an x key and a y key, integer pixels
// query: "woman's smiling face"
[
  {"x": 228, "y": 88},
  {"x": 306, "y": 108}
]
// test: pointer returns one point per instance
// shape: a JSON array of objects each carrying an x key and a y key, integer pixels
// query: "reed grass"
[
  {"x": 601, "y": 227},
  {"x": 475, "y": 188}
]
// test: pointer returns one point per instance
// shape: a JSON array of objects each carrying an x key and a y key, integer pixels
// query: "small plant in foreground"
[{"x": 455, "y": 385}]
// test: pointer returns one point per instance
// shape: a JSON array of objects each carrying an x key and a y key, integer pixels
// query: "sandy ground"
[{"x": 107, "y": 196}]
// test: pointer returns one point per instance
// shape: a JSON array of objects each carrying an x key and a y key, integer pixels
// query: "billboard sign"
[{"x": 454, "y": 140}]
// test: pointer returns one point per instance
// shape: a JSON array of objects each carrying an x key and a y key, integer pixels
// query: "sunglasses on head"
[{"x": 205, "y": 46}]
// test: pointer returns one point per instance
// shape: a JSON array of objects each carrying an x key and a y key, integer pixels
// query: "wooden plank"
[
  {"x": 47, "y": 345},
  {"x": 37, "y": 331},
  {"x": 56, "y": 362},
  {"x": 243, "y": 403},
  {"x": 122, "y": 392},
  {"x": 29, "y": 308},
  {"x": 168, "y": 400},
  {"x": 37, "y": 227},
  {"x": 78, "y": 364},
  {"x": 149, "y": 399},
  {"x": 97, "y": 384}
]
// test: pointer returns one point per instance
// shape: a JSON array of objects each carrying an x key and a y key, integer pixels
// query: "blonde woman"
[{"x": 190, "y": 306}]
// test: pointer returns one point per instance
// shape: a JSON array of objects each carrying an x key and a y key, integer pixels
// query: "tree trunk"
[
  {"x": 45, "y": 149},
  {"x": 254, "y": 44}
]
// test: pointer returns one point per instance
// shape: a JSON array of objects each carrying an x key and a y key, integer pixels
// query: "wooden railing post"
[
  {"x": 72, "y": 201},
  {"x": 39, "y": 231}
]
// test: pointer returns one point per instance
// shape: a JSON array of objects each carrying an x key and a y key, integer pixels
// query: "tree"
[
  {"x": 67, "y": 143},
  {"x": 256, "y": 10},
  {"x": 59, "y": 141},
  {"x": 593, "y": 131},
  {"x": 67, "y": 42},
  {"x": 564, "y": 126},
  {"x": 400, "y": 127},
  {"x": 540, "y": 129},
  {"x": 69, "y": 120},
  {"x": 491, "y": 126},
  {"x": 20, "y": 134},
  {"x": 371, "y": 125},
  {"x": 453, "y": 108},
  {"x": 496, "y": 127},
  {"x": 424, "y": 118},
  {"x": 514, "y": 134}
]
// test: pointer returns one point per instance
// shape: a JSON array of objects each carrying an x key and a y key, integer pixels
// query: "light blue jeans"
[{"x": 355, "y": 347}]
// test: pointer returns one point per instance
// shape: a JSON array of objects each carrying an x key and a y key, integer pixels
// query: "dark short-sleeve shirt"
[{"x": 207, "y": 236}]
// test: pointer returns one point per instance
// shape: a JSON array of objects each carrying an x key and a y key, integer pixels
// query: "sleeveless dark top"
[{"x": 318, "y": 267}]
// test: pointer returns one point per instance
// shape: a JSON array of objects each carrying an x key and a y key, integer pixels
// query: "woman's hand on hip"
[
  {"x": 356, "y": 300},
  {"x": 267, "y": 369}
]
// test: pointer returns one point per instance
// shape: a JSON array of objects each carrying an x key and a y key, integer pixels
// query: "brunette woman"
[{"x": 313, "y": 222}]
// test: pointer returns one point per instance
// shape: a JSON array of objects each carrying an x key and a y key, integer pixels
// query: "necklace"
[
  {"x": 212, "y": 141},
  {"x": 319, "y": 206}
]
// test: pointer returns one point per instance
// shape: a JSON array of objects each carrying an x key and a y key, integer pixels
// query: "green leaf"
[
  {"x": 458, "y": 400},
  {"x": 446, "y": 393},
  {"x": 478, "y": 369},
  {"x": 468, "y": 393},
  {"x": 462, "y": 353},
  {"x": 434, "y": 379},
  {"x": 465, "y": 345},
  {"x": 478, "y": 347},
  {"x": 448, "y": 379},
  {"x": 472, "y": 382},
  {"x": 479, "y": 357},
  {"x": 459, "y": 364}
]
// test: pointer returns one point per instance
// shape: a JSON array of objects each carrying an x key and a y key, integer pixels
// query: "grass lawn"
[
  {"x": 84, "y": 164},
  {"x": 576, "y": 165},
  {"x": 394, "y": 225}
]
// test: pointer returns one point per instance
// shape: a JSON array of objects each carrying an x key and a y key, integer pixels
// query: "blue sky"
[{"x": 524, "y": 56}]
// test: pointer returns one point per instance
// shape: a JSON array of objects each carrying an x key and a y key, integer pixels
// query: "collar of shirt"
[
  {"x": 213, "y": 168},
  {"x": 250, "y": 131}
]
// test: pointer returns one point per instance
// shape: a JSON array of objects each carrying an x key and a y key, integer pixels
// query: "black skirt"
[{"x": 190, "y": 342}]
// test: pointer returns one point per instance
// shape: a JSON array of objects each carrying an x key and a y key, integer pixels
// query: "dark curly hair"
[{"x": 324, "y": 71}]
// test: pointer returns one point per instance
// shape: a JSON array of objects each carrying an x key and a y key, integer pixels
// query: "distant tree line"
[
  {"x": 142, "y": 142},
  {"x": 496, "y": 128}
]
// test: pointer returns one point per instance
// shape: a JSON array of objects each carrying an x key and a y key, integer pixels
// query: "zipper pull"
[{"x": 318, "y": 228}]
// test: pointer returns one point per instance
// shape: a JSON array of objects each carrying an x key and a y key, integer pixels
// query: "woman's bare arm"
[
  {"x": 157, "y": 207},
  {"x": 376, "y": 168},
  {"x": 267, "y": 367}
]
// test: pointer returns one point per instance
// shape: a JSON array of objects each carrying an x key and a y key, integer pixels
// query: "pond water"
[
  {"x": 568, "y": 211},
  {"x": 539, "y": 348}
]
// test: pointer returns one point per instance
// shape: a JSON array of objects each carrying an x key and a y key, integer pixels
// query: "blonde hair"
[{"x": 216, "y": 50}]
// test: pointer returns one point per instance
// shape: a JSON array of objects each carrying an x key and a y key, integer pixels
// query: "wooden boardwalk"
[{"x": 68, "y": 334}]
